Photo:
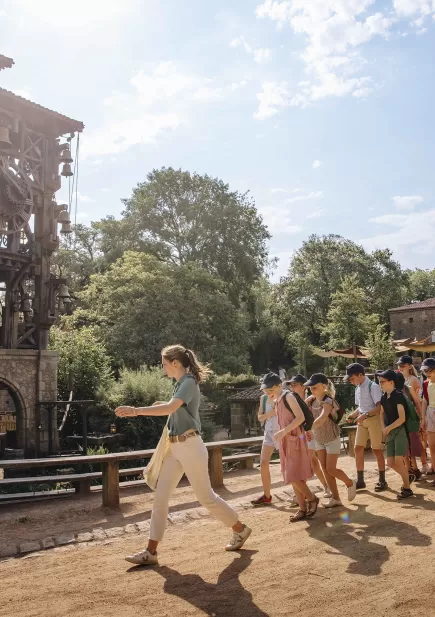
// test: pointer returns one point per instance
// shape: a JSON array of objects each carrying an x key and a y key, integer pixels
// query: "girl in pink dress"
[{"x": 293, "y": 450}]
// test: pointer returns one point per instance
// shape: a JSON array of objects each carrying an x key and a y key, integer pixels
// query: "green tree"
[
  {"x": 84, "y": 364},
  {"x": 421, "y": 285},
  {"x": 381, "y": 348},
  {"x": 141, "y": 304},
  {"x": 303, "y": 297},
  {"x": 349, "y": 318},
  {"x": 183, "y": 218}
]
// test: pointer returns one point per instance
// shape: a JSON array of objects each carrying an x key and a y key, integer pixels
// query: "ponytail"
[
  {"x": 330, "y": 389},
  {"x": 188, "y": 360}
]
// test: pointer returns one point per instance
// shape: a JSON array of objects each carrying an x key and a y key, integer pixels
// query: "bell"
[
  {"x": 66, "y": 171},
  {"x": 65, "y": 157},
  {"x": 63, "y": 293},
  {"x": 63, "y": 217},
  {"x": 61, "y": 305},
  {"x": 66, "y": 228},
  {"x": 25, "y": 305},
  {"x": 5, "y": 142}
]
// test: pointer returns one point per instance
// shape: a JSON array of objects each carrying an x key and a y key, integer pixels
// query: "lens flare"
[{"x": 344, "y": 517}]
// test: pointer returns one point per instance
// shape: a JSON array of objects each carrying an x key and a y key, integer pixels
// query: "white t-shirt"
[{"x": 367, "y": 395}]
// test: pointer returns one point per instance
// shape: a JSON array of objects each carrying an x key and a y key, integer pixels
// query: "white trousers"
[{"x": 189, "y": 457}]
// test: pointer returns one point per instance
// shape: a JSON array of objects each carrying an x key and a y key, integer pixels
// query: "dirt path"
[{"x": 373, "y": 558}]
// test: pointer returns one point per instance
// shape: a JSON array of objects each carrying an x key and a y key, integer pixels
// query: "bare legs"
[
  {"x": 317, "y": 468},
  {"x": 266, "y": 455}
]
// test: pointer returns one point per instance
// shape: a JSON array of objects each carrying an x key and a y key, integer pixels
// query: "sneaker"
[
  {"x": 381, "y": 486},
  {"x": 332, "y": 503},
  {"x": 417, "y": 473},
  {"x": 360, "y": 485},
  {"x": 327, "y": 493},
  {"x": 351, "y": 491},
  {"x": 405, "y": 493},
  {"x": 143, "y": 558},
  {"x": 262, "y": 501},
  {"x": 424, "y": 469},
  {"x": 238, "y": 540}
]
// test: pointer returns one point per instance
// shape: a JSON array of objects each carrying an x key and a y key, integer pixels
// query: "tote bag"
[{"x": 152, "y": 470}]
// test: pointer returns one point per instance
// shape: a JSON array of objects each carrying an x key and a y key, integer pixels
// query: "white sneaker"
[
  {"x": 327, "y": 493},
  {"x": 332, "y": 503},
  {"x": 351, "y": 491},
  {"x": 143, "y": 558},
  {"x": 238, "y": 539},
  {"x": 424, "y": 469},
  {"x": 293, "y": 501}
]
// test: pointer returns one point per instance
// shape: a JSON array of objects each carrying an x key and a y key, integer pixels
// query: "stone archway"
[{"x": 12, "y": 413}]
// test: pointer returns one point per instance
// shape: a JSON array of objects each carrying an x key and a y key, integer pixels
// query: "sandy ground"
[{"x": 374, "y": 557}]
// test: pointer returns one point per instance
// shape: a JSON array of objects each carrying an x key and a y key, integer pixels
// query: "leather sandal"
[
  {"x": 299, "y": 516},
  {"x": 312, "y": 509}
]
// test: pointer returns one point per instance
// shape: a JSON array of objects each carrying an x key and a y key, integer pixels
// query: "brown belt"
[{"x": 182, "y": 438}]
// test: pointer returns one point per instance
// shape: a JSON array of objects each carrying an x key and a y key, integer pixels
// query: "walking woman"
[
  {"x": 428, "y": 368},
  {"x": 293, "y": 451},
  {"x": 297, "y": 387},
  {"x": 187, "y": 453},
  {"x": 327, "y": 437}
]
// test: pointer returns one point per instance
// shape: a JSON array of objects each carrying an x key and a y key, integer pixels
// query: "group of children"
[{"x": 301, "y": 419}]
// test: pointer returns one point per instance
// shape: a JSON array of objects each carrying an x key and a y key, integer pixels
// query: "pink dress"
[{"x": 293, "y": 449}]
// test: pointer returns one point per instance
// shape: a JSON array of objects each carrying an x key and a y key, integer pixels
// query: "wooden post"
[
  {"x": 215, "y": 467},
  {"x": 83, "y": 487},
  {"x": 249, "y": 463},
  {"x": 111, "y": 484}
]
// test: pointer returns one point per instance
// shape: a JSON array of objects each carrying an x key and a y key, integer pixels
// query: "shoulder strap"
[{"x": 425, "y": 390}]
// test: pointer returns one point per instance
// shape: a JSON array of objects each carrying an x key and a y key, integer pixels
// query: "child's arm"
[
  {"x": 263, "y": 416},
  {"x": 327, "y": 408},
  {"x": 298, "y": 414},
  {"x": 400, "y": 420}
]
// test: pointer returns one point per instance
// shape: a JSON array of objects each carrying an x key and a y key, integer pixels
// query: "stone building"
[
  {"x": 244, "y": 409},
  {"x": 414, "y": 321}
]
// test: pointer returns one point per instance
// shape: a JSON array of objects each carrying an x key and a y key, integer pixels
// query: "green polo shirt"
[{"x": 187, "y": 416}]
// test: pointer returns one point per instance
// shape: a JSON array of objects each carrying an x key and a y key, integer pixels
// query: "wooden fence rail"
[{"x": 110, "y": 467}]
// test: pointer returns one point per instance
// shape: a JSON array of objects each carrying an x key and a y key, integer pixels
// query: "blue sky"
[{"x": 323, "y": 109}]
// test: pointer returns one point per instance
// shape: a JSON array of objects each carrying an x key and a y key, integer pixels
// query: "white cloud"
[
  {"x": 334, "y": 30},
  {"x": 261, "y": 55},
  {"x": 278, "y": 190},
  {"x": 306, "y": 197},
  {"x": 417, "y": 9},
  {"x": 404, "y": 234},
  {"x": 317, "y": 164},
  {"x": 408, "y": 202},
  {"x": 273, "y": 97},
  {"x": 280, "y": 220},
  {"x": 316, "y": 214},
  {"x": 157, "y": 102}
]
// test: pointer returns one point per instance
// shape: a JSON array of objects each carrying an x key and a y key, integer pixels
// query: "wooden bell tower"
[{"x": 32, "y": 149}]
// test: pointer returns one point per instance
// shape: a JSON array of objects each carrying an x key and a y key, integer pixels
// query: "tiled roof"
[
  {"x": 249, "y": 395},
  {"x": 19, "y": 104},
  {"x": 415, "y": 306},
  {"x": 5, "y": 62}
]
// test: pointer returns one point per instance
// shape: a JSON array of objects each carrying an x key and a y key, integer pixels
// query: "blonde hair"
[
  {"x": 330, "y": 389},
  {"x": 188, "y": 360}
]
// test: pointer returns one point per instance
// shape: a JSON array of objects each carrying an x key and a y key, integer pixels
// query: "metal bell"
[
  {"x": 5, "y": 142},
  {"x": 60, "y": 305},
  {"x": 66, "y": 157},
  {"x": 65, "y": 221},
  {"x": 63, "y": 293},
  {"x": 66, "y": 171},
  {"x": 66, "y": 228}
]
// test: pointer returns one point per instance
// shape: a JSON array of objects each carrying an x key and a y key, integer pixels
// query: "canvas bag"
[{"x": 152, "y": 470}]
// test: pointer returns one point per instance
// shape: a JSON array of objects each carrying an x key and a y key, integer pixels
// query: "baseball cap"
[
  {"x": 404, "y": 360},
  {"x": 388, "y": 375},
  {"x": 297, "y": 379},
  {"x": 354, "y": 369},
  {"x": 315, "y": 379},
  {"x": 270, "y": 380},
  {"x": 428, "y": 363}
]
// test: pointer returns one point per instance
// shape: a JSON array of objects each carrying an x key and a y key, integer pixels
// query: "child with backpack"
[
  {"x": 428, "y": 411},
  {"x": 328, "y": 413},
  {"x": 393, "y": 418},
  {"x": 412, "y": 426},
  {"x": 297, "y": 388},
  {"x": 267, "y": 416},
  {"x": 368, "y": 401},
  {"x": 293, "y": 451}
]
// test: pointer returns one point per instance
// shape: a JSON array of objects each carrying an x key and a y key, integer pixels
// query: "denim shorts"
[
  {"x": 333, "y": 447},
  {"x": 269, "y": 439}
]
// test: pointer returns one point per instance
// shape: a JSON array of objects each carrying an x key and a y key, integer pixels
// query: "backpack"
[
  {"x": 425, "y": 390},
  {"x": 308, "y": 414},
  {"x": 339, "y": 411},
  {"x": 412, "y": 422}
]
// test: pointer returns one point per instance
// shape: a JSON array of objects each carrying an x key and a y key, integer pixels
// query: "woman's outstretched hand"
[{"x": 125, "y": 412}]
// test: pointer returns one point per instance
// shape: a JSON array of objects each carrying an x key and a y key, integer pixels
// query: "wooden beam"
[{"x": 111, "y": 484}]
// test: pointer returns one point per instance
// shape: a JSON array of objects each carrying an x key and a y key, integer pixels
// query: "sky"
[{"x": 322, "y": 109}]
